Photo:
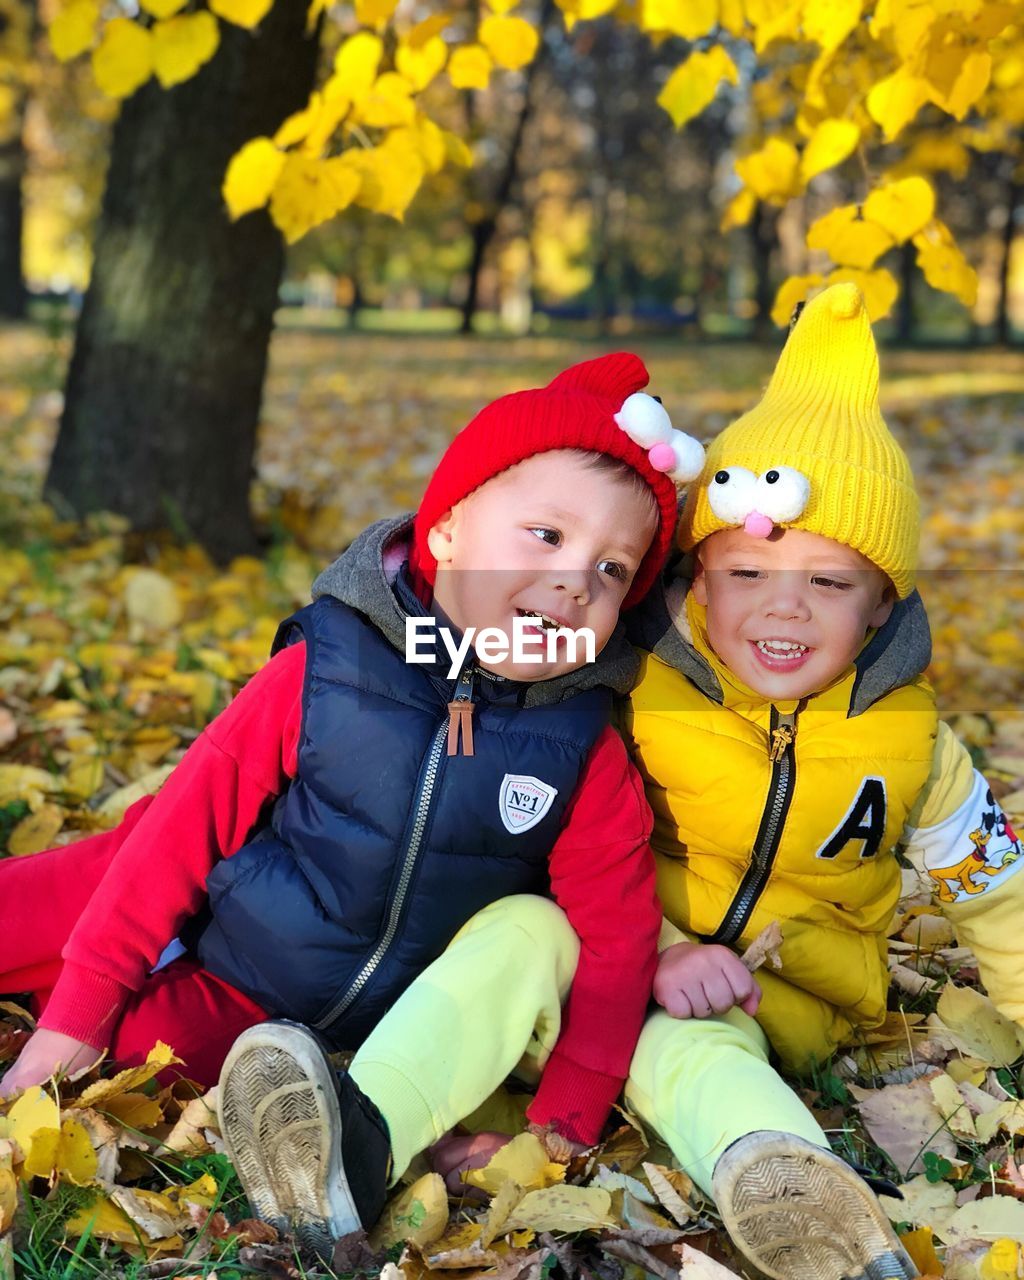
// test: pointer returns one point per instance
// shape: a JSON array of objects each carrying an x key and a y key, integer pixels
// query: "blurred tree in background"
[{"x": 533, "y": 170}]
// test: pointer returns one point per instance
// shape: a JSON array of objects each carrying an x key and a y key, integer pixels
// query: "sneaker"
[
  {"x": 311, "y": 1150},
  {"x": 798, "y": 1212}
]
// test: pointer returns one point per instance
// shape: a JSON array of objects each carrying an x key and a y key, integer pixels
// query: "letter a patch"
[
  {"x": 523, "y": 801},
  {"x": 864, "y": 822}
]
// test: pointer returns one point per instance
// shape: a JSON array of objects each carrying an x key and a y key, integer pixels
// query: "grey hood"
[
  {"x": 896, "y": 655},
  {"x": 370, "y": 577}
]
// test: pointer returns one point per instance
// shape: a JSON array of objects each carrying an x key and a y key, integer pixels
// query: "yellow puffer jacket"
[{"x": 742, "y": 839}]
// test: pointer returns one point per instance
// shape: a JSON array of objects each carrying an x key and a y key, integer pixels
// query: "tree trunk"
[
  {"x": 764, "y": 240},
  {"x": 1013, "y": 195},
  {"x": 13, "y": 294},
  {"x": 484, "y": 229},
  {"x": 164, "y": 388},
  {"x": 905, "y": 315}
]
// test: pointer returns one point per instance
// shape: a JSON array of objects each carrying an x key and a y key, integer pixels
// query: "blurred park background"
[{"x": 197, "y": 412}]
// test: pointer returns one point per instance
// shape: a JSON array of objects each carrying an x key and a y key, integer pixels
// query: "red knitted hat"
[{"x": 595, "y": 406}]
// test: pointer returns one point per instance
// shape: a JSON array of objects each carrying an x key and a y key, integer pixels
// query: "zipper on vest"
[
  {"x": 781, "y": 734},
  {"x": 424, "y": 795},
  {"x": 460, "y": 713}
]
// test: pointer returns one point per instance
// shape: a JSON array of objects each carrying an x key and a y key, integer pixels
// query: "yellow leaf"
[
  {"x": 36, "y": 831},
  {"x": 74, "y": 28},
  {"x": 911, "y": 23},
  {"x": 919, "y": 1245},
  {"x": 974, "y": 1019},
  {"x": 564, "y": 1209},
  {"x": 689, "y": 19},
  {"x": 584, "y": 10},
  {"x": 692, "y": 85},
  {"x": 511, "y": 42},
  {"x": 458, "y": 152},
  {"x": 356, "y": 63},
  {"x": 792, "y": 291},
  {"x": 182, "y": 45},
  {"x": 958, "y": 76},
  {"x": 523, "y": 1161},
  {"x": 134, "y": 1111},
  {"x": 310, "y": 190},
  {"x": 34, "y": 1124},
  {"x": 731, "y": 17},
  {"x": 8, "y": 1193},
  {"x": 1001, "y": 1262},
  {"x": 123, "y": 60},
  {"x": 739, "y": 210},
  {"x": 25, "y": 782},
  {"x": 895, "y": 101},
  {"x": 428, "y": 28},
  {"x": 848, "y": 239},
  {"x": 83, "y": 778},
  {"x": 879, "y": 288},
  {"x": 103, "y": 1221},
  {"x": 829, "y": 22},
  {"x": 421, "y": 63},
  {"x": 76, "y": 1160},
  {"x": 773, "y": 173},
  {"x": 469, "y": 67},
  {"x": 830, "y": 143},
  {"x": 162, "y": 8},
  {"x": 243, "y": 13},
  {"x": 159, "y": 1057},
  {"x": 425, "y": 1203},
  {"x": 375, "y": 13},
  {"x": 251, "y": 176},
  {"x": 297, "y": 126},
  {"x": 388, "y": 104},
  {"x": 151, "y": 599},
  {"x": 902, "y": 208}
]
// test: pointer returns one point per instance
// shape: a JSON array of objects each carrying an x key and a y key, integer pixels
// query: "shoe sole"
[
  {"x": 281, "y": 1124},
  {"x": 800, "y": 1213}
]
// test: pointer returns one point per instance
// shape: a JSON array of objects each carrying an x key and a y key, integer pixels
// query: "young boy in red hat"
[{"x": 356, "y": 843}]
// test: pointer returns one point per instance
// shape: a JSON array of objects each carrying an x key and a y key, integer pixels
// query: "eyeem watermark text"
[{"x": 527, "y": 643}]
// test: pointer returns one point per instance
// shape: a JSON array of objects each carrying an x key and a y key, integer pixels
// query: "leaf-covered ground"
[{"x": 115, "y": 651}]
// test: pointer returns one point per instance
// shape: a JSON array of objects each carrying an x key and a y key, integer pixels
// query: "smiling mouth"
[
  {"x": 545, "y": 620},
  {"x": 781, "y": 650}
]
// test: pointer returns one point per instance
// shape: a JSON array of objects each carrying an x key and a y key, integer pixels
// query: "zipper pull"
[
  {"x": 460, "y": 709},
  {"x": 782, "y": 737}
]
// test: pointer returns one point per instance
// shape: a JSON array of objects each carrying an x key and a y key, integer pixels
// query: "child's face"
[
  {"x": 788, "y": 613},
  {"x": 551, "y": 535}
]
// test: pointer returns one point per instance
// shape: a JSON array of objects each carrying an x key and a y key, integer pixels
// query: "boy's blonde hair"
[{"x": 815, "y": 452}]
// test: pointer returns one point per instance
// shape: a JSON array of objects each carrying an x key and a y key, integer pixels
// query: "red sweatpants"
[{"x": 194, "y": 1012}]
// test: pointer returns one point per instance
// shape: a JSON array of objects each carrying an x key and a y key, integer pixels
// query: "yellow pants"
[{"x": 490, "y": 1007}]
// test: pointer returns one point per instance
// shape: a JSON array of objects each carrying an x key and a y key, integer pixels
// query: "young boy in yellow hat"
[{"x": 789, "y": 743}]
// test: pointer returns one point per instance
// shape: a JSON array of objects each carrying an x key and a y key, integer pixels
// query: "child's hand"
[
  {"x": 697, "y": 980},
  {"x": 455, "y": 1153},
  {"x": 46, "y": 1052}
]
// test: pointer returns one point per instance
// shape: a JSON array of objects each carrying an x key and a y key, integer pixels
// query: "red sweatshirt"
[{"x": 601, "y": 869}]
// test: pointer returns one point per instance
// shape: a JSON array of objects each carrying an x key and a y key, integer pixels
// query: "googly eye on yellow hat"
[{"x": 815, "y": 452}]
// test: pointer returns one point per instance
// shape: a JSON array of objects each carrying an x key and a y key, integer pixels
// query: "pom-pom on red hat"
[{"x": 595, "y": 406}]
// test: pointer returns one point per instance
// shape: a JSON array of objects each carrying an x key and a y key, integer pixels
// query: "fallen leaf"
[
  {"x": 905, "y": 1122},
  {"x": 564, "y": 1209},
  {"x": 673, "y": 1189},
  {"x": 764, "y": 949},
  {"x": 924, "y": 1204},
  {"x": 419, "y": 1215},
  {"x": 523, "y": 1161},
  {"x": 994, "y": 1218},
  {"x": 979, "y": 1026},
  {"x": 694, "y": 1265}
]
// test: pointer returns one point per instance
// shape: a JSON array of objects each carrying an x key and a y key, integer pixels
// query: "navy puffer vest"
[{"x": 383, "y": 846}]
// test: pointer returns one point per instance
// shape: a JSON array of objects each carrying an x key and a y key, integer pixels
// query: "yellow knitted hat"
[{"x": 815, "y": 453}]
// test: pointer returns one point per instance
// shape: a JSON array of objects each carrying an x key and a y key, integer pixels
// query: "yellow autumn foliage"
[
  {"x": 692, "y": 85},
  {"x": 182, "y": 45},
  {"x": 73, "y": 29},
  {"x": 511, "y": 42},
  {"x": 251, "y": 176},
  {"x": 470, "y": 67}
]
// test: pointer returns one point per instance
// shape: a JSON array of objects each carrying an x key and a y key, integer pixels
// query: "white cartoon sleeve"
[{"x": 965, "y": 847}]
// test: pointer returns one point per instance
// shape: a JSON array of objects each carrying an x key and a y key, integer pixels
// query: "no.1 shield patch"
[{"x": 523, "y": 801}]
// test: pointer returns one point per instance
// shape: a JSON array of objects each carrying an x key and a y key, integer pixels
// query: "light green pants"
[{"x": 490, "y": 1006}]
